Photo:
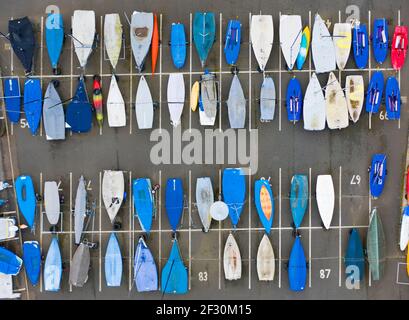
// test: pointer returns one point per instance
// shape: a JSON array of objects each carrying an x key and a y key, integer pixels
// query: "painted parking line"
[
  {"x": 190, "y": 71},
  {"x": 71, "y": 232},
  {"x": 130, "y": 75},
  {"x": 160, "y": 223},
  {"x": 41, "y": 227},
  {"x": 101, "y": 51},
  {"x": 279, "y": 228},
  {"x": 249, "y": 229},
  {"x": 279, "y": 83},
  {"x": 220, "y": 73},
  {"x": 369, "y": 69},
  {"x": 41, "y": 67},
  {"x": 369, "y": 217},
  {"x": 399, "y": 69},
  {"x": 220, "y": 233},
  {"x": 130, "y": 237},
  {"x": 160, "y": 74},
  {"x": 190, "y": 229},
  {"x": 339, "y": 230},
  {"x": 309, "y": 228},
  {"x": 310, "y": 55},
  {"x": 100, "y": 227},
  {"x": 250, "y": 78}
]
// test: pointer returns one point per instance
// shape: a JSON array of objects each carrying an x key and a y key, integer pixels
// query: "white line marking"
[
  {"x": 339, "y": 230},
  {"x": 71, "y": 87},
  {"x": 220, "y": 233},
  {"x": 100, "y": 227},
  {"x": 130, "y": 88},
  {"x": 399, "y": 69},
  {"x": 250, "y": 262},
  {"x": 369, "y": 69},
  {"x": 310, "y": 53},
  {"x": 101, "y": 35},
  {"x": 370, "y": 209},
  {"x": 160, "y": 74},
  {"x": 279, "y": 228},
  {"x": 71, "y": 232},
  {"x": 190, "y": 74},
  {"x": 220, "y": 73},
  {"x": 309, "y": 229},
  {"x": 41, "y": 80},
  {"x": 279, "y": 84},
  {"x": 160, "y": 223},
  {"x": 130, "y": 231},
  {"x": 190, "y": 230},
  {"x": 41, "y": 228},
  {"x": 249, "y": 84},
  {"x": 12, "y": 61}
]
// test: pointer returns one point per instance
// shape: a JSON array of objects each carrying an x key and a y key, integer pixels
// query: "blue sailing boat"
[
  {"x": 204, "y": 32},
  {"x": 145, "y": 271},
  {"x": 174, "y": 274}
]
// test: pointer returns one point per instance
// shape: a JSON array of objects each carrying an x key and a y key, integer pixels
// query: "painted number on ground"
[
  {"x": 89, "y": 188},
  {"x": 383, "y": 115},
  {"x": 202, "y": 276},
  {"x": 356, "y": 179},
  {"x": 324, "y": 273},
  {"x": 23, "y": 123}
]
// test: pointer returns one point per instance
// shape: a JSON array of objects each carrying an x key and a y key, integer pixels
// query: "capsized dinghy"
[
  {"x": 54, "y": 38},
  {"x": 392, "y": 99},
  {"x": 141, "y": 36},
  {"x": 80, "y": 266},
  {"x": 83, "y": 34},
  {"x": 145, "y": 272},
  {"x": 113, "y": 262},
  {"x": 33, "y": 103},
  {"x": 204, "y": 200},
  {"x": 80, "y": 209},
  {"x": 232, "y": 42},
  {"x": 323, "y": 50},
  {"x": 9, "y": 262},
  {"x": 294, "y": 100},
  {"x": 143, "y": 202},
  {"x": 12, "y": 98},
  {"x": 304, "y": 48},
  {"x": 53, "y": 267},
  {"x": 297, "y": 266},
  {"x": 115, "y": 105},
  {"x": 290, "y": 38},
  {"x": 342, "y": 37},
  {"x": 79, "y": 113},
  {"x": 314, "y": 106},
  {"x": 174, "y": 201},
  {"x": 113, "y": 188},
  {"x": 262, "y": 37},
  {"x": 176, "y": 97},
  {"x": 298, "y": 198},
  {"x": 204, "y": 32},
  {"x": 144, "y": 105},
  {"x": 354, "y": 257},
  {"x": 113, "y": 37},
  {"x": 236, "y": 104},
  {"x": 51, "y": 202},
  {"x": 325, "y": 198},
  {"x": 174, "y": 274},
  {"x": 53, "y": 114},
  {"x": 377, "y": 174},
  {"x": 178, "y": 45},
  {"x": 354, "y": 92},
  {"x": 234, "y": 192},
  {"x": 264, "y": 201},
  {"x": 208, "y": 97},
  {"x": 26, "y": 198},
  {"x": 336, "y": 104},
  {"x": 267, "y": 100},
  {"x": 380, "y": 40},
  {"x": 21, "y": 36},
  {"x": 375, "y": 246},
  {"x": 231, "y": 259},
  {"x": 32, "y": 261},
  {"x": 265, "y": 260}
]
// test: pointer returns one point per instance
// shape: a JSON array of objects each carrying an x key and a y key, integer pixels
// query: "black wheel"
[
  {"x": 39, "y": 198},
  {"x": 94, "y": 245},
  {"x": 293, "y": 225},
  {"x": 203, "y": 229},
  {"x": 117, "y": 225},
  {"x": 143, "y": 237},
  {"x": 53, "y": 229},
  {"x": 234, "y": 70},
  {"x": 259, "y": 70},
  {"x": 156, "y": 105},
  {"x": 323, "y": 226},
  {"x": 56, "y": 83},
  {"x": 174, "y": 235},
  {"x": 84, "y": 77}
]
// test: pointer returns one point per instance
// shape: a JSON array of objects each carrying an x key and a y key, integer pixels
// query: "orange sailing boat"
[{"x": 155, "y": 43}]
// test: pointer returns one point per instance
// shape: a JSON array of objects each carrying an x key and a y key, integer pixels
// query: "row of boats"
[
  {"x": 174, "y": 274},
  {"x": 328, "y": 51}
]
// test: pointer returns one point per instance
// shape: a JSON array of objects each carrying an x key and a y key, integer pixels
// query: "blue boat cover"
[
  {"x": 79, "y": 113},
  {"x": 265, "y": 210},
  {"x": 174, "y": 201},
  {"x": 298, "y": 198},
  {"x": 374, "y": 92},
  {"x": 294, "y": 100},
  {"x": 33, "y": 103},
  {"x": 355, "y": 256},
  {"x": 360, "y": 45},
  {"x": 12, "y": 98},
  {"x": 392, "y": 99},
  {"x": 32, "y": 260},
  {"x": 232, "y": 42},
  {"x": 113, "y": 262},
  {"x": 204, "y": 32},
  {"x": 380, "y": 40},
  {"x": 9, "y": 262},
  {"x": 145, "y": 272},
  {"x": 26, "y": 198},
  {"x": 178, "y": 45},
  {"x": 297, "y": 267},
  {"x": 143, "y": 202},
  {"x": 377, "y": 175},
  {"x": 23, "y": 42},
  {"x": 174, "y": 273},
  {"x": 53, "y": 267},
  {"x": 54, "y": 37},
  {"x": 234, "y": 192}
]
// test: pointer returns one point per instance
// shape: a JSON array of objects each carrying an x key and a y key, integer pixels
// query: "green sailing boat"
[{"x": 375, "y": 246}]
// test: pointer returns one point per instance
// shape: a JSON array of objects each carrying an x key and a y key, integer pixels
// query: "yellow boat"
[
  {"x": 305, "y": 45},
  {"x": 194, "y": 96},
  {"x": 407, "y": 262}
]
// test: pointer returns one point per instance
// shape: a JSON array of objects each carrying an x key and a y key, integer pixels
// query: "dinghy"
[
  {"x": 32, "y": 261},
  {"x": 113, "y": 262},
  {"x": 392, "y": 99},
  {"x": 155, "y": 43},
  {"x": 262, "y": 37},
  {"x": 54, "y": 39},
  {"x": 21, "y": 36},
  {"x": 232, "y": 42},
  {"x": 377, "y": 174},
  {"x": 376, "y": 246},
  {"x": 354, "y": 92},
  {"x": 304, "y": 47},
  {"x": 404, "y": 229},
  {"x": 194, "y": 96},
  {"x": 290, "y": 38},
  {"x": 231, "y": 259},
  {"x": 314, "y": 106},
  {"x": 80, "y": 209},
  {"x": 399, "y": 47},
  {"x": 374, "y": 92},
  {"x": 174, "y": 199},
  {"x": 176, "y": 97},
  {"x": 236, "y": 104},
  {"x": 264, "y": 201},
  {"x": 234, "y": 192},
  {"x": 144, "y": 105},
  {"x": 325, "y": 199},
  {"x": 204, "y": 33},
  {"x": 80, "y": 266},
  {"x": 79, "y": 113},
  {"x": 8, "y": 228},
  {"x": 336, "y": 104},
  {"x": 204, "y": 200},
  {"x": 143, "y": 202},
  {"x": 53, "y": 267},
  {"x": 342, "y": 37},
  {"x": 267, "y": 100},
  {"x": 33, "y": 103},
  {"x": 145, "y": 272},
  {"x": 141, "y": 36},
  {"x": 53, "y": 114},
  {"x": 178, "y": 45},
  {"x": 209, "y": 99},
  {"x": 297, "y": 267},
  {"x": 354, "y": 257},
  {"x": 26, "y": 198},
  {"x": 115, "y": 105},
  {"x": 9, "y": 262},
  {"x": 113, "y": 37},
  {"x": 83, "y": 34},
  {"x": 113, "y": 188},
  {"x": 322, "y": 46},
  {"x": 298, "y": 198},
  {"x": 380, "y": 40},
  {"x": 12, "y": 98},
  {"x": 265, "y": 260},
  {"x": 360, "y": 45},
  {"x": 52, "y": 202},
  {"x": 97, "y": 100},
  {"x": 294, "y": 100},
  {"x": 174, "y": 274}
]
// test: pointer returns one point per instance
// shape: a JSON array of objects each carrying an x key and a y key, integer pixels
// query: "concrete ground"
[{"x": 284, "y": 149}]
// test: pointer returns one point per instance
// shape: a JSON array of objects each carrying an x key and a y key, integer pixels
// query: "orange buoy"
[{"x": 155, "y": 43}]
